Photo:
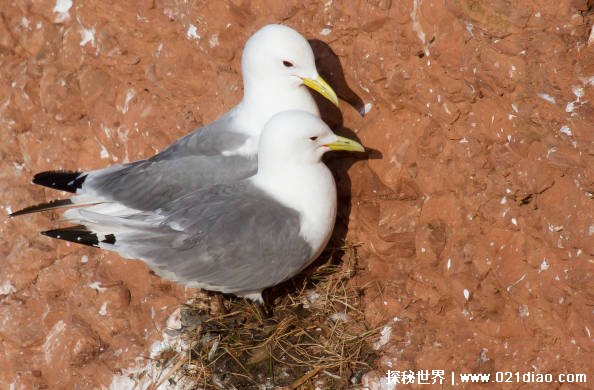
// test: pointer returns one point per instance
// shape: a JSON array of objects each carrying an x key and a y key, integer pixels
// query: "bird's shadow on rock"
[{"x": 330, "y": 69}]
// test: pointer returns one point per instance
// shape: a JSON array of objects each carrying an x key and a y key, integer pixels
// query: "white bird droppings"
[
  {"x": 325, "y": 31},
  {"x": 214, "y": 40},
  {"x": 62, "y": 6},
  {"x": 385, "y": 334},
  {"x": 566, "y": 130},
  {"x": 129, "y": 96},
  {"x": 578, "y": 91},
  {"x": 340, "y": 316},
  {"x": 466, "y": 294},
  {"x": 104, "y": 153},
  {"x": 417, "y": 25},
  {"x": 544, "y": 265},
  {"x": 6, "y": 288},
  {"x": 192, "y": 32},
  {"x": 367, "y": 108},
  {"x": 61, "y": 9},
  {"x": 87, "y": 36},
  {"x": 103, "y": 309},
  {"x": 52, "y": 340},
  {"x": 97, "y": 286},
  {"x": 547, "y": 97}
]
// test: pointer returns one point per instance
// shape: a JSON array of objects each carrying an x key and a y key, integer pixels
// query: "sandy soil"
[{"x": 476, "y": 224}]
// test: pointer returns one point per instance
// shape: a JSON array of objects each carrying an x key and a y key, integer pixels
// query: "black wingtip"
[
  {"x": 76, "y": 234},
  {"x": 60, "y": 180},
  {"x": 54, "y": 204}
]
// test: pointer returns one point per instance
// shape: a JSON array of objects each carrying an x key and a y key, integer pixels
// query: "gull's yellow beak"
[
  {"x": 343, "y": 143},
  {"x": 321, "y": 86}
]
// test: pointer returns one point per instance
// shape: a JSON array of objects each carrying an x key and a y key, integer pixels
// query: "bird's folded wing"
[
  {"x": 196, "y": 160},
  {"x": 229, "y": 237}
]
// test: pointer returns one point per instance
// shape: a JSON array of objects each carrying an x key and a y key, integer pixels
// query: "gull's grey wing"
[
  {"x": 194, "y": 161},
  {"x": 147, "y": 185},
  {"x": 232, "y": 238}
]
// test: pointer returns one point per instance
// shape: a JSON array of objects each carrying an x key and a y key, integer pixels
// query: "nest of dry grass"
[{"x": 314, "y": 335}]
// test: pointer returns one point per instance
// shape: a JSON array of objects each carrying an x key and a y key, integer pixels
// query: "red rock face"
[{"x": 477, "y": 223}]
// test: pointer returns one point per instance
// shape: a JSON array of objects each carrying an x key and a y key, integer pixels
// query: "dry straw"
[{"x": 315, "y": 334}]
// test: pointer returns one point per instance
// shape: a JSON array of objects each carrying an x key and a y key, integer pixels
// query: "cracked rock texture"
[{"x": 476, "y": 224}]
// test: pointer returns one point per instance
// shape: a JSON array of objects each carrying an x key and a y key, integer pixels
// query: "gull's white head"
[
  {"x": 277, "y": 60},
  {"x": 299, "y": 138}
]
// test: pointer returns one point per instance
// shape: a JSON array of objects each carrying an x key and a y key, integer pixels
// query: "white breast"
[{"x": 312, "y": 192}]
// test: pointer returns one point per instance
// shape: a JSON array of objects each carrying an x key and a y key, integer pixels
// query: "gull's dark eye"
[
  {"x": 288, "y": 64},
  {"x": 313, "y": 138}
]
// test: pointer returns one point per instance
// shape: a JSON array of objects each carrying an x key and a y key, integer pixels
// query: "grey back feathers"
[
  {"x": 194, "y": 161},
  {"x": 219, "y": 236}
]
